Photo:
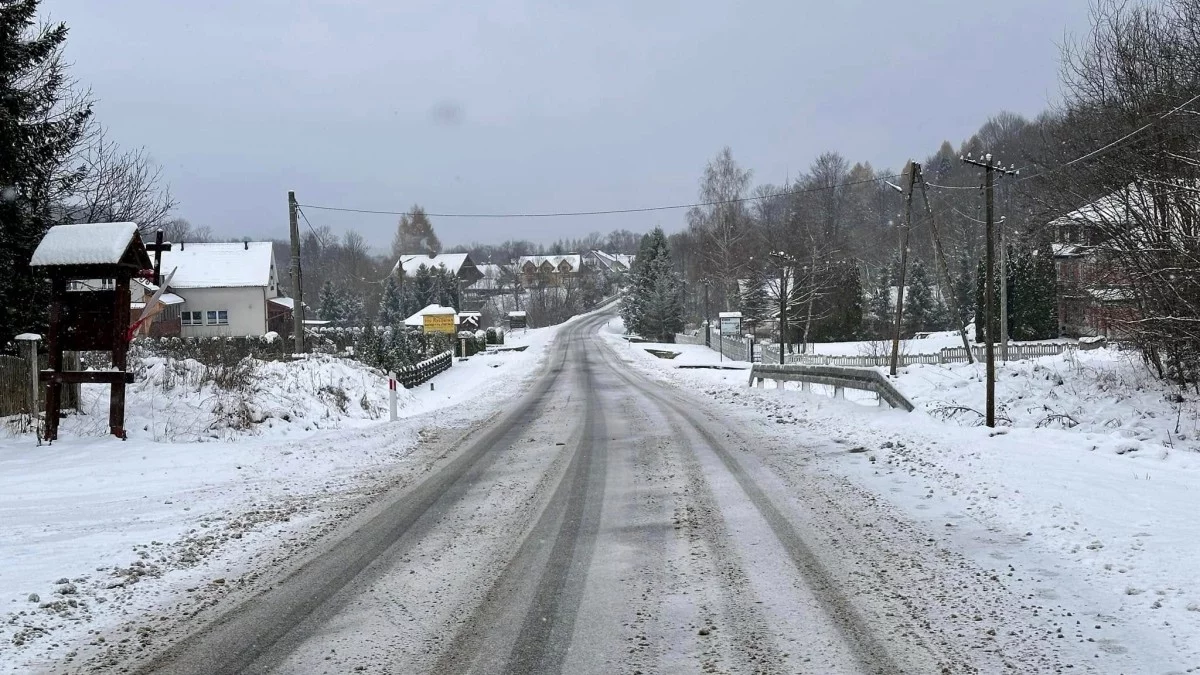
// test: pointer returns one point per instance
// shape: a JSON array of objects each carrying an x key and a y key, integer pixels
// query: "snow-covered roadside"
[
  {"x": 149, "y": 527},
  {"x": 1094, "y": 524}
]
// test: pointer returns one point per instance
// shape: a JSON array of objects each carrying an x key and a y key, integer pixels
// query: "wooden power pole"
[
  {"x": 297, "y": 292},
  {"x": 990, "y": 167},
  {"x": 909, "y": 174}
]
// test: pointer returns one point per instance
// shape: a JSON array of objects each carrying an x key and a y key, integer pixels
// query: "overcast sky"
[{"x": 532, "y": 105}]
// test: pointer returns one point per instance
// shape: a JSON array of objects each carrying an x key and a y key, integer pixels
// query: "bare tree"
[
  {"x": 722, "y": 224},
  {"x": 119, "y": 185}
]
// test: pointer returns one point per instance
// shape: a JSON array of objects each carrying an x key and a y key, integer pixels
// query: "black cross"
[{"x": 158, "y": 247}]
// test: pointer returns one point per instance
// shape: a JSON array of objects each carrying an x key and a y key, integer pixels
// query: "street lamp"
[{"x": 707, "y": 324}]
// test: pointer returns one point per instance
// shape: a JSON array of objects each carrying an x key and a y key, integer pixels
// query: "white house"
[{"x": 229, "y": 289}]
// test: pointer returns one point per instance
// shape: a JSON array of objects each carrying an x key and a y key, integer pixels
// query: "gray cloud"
[{"x": 573, "y": 106}]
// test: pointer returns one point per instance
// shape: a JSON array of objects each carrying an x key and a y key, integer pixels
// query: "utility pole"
[
  {"x": 297, "y": 292},
  {"x": 783, "y": 259},
  {"x": 707, "y": 319},
  {"x": 910, "y": 173},
  {"x": 989, "y": 166},
  {"x": 943, "y": 269}
]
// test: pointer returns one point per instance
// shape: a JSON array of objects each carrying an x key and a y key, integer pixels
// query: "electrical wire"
[{"x": 607, "y": 212}]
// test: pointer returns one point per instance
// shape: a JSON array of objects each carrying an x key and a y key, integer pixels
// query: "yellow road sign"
[{"x": 439, "y": 323}]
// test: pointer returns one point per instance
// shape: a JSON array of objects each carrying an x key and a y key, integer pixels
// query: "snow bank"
[
  {"x": 183, "y": 400},
  {"x": 162, "y": 526},
  {"x": 1093, "y": 520}
]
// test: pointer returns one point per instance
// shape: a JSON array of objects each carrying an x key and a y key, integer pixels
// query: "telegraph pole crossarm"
[{"x": 990, "y": 167}]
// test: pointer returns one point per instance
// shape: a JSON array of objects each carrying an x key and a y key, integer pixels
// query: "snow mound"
[{"x": 183, "y": 400}]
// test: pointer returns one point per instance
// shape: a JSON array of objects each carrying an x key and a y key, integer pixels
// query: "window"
[
  {"x": 192, "y": 318},
  {"x": 218, "y": 317}
]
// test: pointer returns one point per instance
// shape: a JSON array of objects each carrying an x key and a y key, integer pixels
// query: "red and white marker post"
[{"x": 392, "y": 396}]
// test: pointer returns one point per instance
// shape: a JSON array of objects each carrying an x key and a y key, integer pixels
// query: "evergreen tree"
[
  {"x": 880, "y": 303},
  {"x": 920, "y": 308},
  {"x": 329, "y": 303},
  {"x": 415, "y": 235},
  {"x": 653, "y": 305},
  {"x": 841, "y": 308},
  {"x": 37, "y": 137},
  {"x": 964, "y": 292},
  {"x": 422, "y": 289},
  {"x": 391, "y": 311},
  {"x": 352, "y": 312},
  {"x": 1033, "y": 313},
  {"x": 755, "y": 304}
]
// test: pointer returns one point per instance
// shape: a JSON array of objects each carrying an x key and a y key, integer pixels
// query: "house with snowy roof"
[
  {"x": 228, "y": 289},
  {"x": 458, "y": 264},
  {"x": 1095, "y": 298},
  {"x": 549, "y": 270}
]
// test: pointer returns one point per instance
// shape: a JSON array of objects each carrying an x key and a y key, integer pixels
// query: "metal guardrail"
[
  {"x": 834, "y": 376},
  {"x": 419, "y": 373},
  {"x": 943, "y": 356}
]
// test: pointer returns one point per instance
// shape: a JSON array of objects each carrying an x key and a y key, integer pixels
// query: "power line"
[
  {"x": 607, "y": 212},
  {"x": 336, "y": 262}
]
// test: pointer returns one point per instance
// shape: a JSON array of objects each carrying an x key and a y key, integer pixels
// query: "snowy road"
[{"x": 608, "y": 523}]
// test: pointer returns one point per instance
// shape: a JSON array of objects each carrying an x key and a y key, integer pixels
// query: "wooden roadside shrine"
[{"x": 94, "y": 319}]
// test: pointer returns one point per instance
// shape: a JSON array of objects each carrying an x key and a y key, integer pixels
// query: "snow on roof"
[
  {"x": 555, "y": 260},
  {"x": 85, "y": 244},
  {"x": 290, "y": 303},
  {"x": 453, "y": 262},
  {"x": 170, "y": 299},
  {"x": 28, "y": 336},
  {"x": 237, "y": 264},
  {"x": 516, "y": 313},
  {"x": 1066, "y": 250},
  {"x": 417, "y": 320}
]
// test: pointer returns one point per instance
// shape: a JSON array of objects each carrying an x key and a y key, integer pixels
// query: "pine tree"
[
  {"x": 653, "y": 305},
  {"x": 755, "y": 304},
  {"x": 415, "y": 235},
  {"x": 391, "y": 312},
  {"x": 37, "y": 137},
  {"x": 963, "y": 290},
  {"x": 422, "y": 289},
  {"x": 880, "y": 303},
  {"x": 329, "y": 303},
  {"x": 919, "y": 305},
  {"x": 352, "y": 312}
]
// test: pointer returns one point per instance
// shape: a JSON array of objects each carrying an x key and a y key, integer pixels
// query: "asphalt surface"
[{"x": 604, "y": 524}]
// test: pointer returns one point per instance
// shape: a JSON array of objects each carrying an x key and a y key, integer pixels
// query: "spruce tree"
[
  {"x": 963, "y": 290},
  {"x": 329, "y": 303},
  {"x": 919, "y": 305},
  {"x": 37, "y": 137},
  {"x": 391, "y": 312},
  {"x": 880, "y": 303},
  {"x": 653, "y": 305},
  {"x": 755, "y": 304}
]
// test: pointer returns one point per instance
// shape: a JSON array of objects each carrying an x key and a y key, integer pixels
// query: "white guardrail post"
[{"x": 392, "y": 396}]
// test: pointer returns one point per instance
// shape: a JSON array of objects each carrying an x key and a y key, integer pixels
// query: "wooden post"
[
  {"x": 903, "y": 266},
  {"x": 29, "y": 351},
  {"x": 297, "y": 288},
  {"x": 58, "y": 291},
  {"x": 120, "y": 357}
]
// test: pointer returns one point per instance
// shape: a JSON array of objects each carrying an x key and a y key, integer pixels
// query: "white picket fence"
[{"x": 738, "y": 350}]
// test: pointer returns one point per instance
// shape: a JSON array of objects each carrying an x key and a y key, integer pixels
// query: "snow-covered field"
[
  {"x": 1084, "y": 500},
  {"x": 95, "y": 531}
]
